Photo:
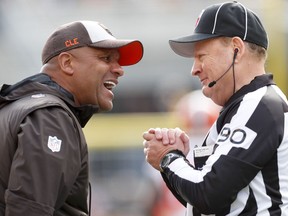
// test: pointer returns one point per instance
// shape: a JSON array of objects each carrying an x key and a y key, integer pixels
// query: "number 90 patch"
[{"x": 240, "y": 137}]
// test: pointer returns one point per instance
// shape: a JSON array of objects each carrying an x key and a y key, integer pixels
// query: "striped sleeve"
[{"x": 247, "y": 170}]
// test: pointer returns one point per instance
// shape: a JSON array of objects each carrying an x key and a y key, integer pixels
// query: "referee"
[{"x": 241, "y": 168}]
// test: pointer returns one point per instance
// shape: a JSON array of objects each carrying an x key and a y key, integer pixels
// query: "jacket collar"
[
  {"x": 42, "y": 83},
  {"x": 256, "y": 83}
]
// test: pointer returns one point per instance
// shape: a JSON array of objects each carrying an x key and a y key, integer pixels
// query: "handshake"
[{"x": 160, "y": 141}]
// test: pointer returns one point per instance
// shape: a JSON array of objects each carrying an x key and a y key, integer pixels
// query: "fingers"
[
  {"x": 158, "y": 141},
  {"x": 148, "y": 136},
  {"x": 184, "y": 137},
  {"x": 178, "y": 132},
  {"x": 168, "y": 136},
  {"x": 160, "y": 134},
  {"x": 157, "y": 132},
  {"x": 151, "y": 130},
  {"x": 186, "y": 142},
  {"x": 172, "y": 136}
]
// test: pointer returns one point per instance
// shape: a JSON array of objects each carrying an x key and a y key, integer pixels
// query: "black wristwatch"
[{"x": 169, "y": 158}]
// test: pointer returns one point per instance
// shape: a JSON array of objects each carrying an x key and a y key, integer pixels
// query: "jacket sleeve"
[
  {"x": 177, "y": 196},
  {"x": 45, "y": 165}
]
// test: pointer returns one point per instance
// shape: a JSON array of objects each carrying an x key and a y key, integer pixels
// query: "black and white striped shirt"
[{"x": 242, "y": 166}]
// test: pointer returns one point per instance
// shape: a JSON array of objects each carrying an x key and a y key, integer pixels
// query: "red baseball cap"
[{"x": 92, "y": 34}]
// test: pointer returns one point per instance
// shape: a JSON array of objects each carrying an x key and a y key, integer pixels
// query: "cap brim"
[
  {"x": 131, "y": 51},
  {"x": 184, "y": 46}
]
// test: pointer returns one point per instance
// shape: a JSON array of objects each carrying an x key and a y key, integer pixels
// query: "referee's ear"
[{"x": 239, "y": 45}]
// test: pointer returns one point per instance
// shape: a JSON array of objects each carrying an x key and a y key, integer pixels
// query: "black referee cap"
[{"x": 227, "y": 19}]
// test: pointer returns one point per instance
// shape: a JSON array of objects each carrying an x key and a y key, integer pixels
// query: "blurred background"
[{"x": 157, "y": 92}]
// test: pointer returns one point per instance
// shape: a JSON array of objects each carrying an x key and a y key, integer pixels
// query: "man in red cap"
[{"x": 43, "y": 152}]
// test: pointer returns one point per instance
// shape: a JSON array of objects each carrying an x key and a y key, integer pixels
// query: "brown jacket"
[{"x": 43, "y": 152}]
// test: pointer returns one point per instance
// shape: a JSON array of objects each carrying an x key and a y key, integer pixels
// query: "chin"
[
  {"x": 206, "y": 91},
  {"x": 106, "y": 107}
]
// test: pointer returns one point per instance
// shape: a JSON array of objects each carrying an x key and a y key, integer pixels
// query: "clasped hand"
[{"x": 159, "y": 141}]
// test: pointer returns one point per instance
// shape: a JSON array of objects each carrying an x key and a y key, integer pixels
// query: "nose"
[
  {"x": 117, "y": 69},
  {"x": 196, "y": 68}
]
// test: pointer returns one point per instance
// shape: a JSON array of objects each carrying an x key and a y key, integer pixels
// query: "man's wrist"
[{"x": 169, "y": 158}]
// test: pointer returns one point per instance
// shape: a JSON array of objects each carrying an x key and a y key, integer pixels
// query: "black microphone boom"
[{"x": 211, "y": 84}]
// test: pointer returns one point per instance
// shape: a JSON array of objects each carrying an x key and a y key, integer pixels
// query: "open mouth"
[{"x": 109, "y": 85}]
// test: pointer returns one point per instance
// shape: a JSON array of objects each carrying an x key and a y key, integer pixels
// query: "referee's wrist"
[
  {"x": 169, "y": 158},
  {"x": 178, "y": 152}
]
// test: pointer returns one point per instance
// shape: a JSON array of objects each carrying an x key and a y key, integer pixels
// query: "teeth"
[{"x": 109, "y": 85}]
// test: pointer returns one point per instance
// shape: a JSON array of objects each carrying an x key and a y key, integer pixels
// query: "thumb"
[
  {"x": 186, "y": 142},
  {"x": 147, "y": 136}
]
